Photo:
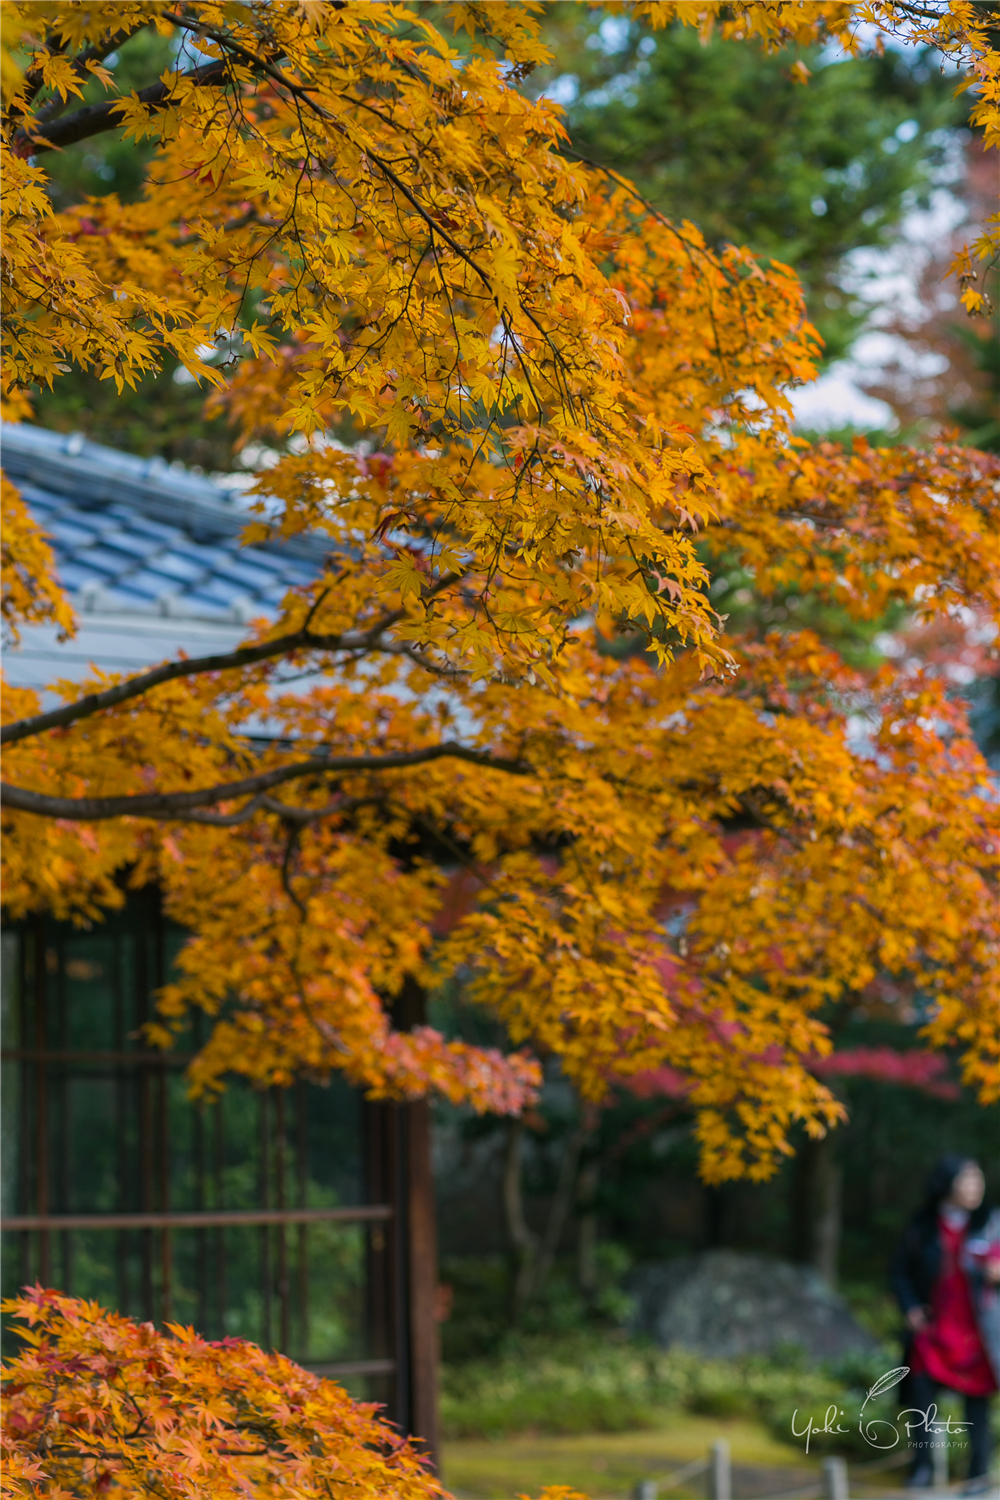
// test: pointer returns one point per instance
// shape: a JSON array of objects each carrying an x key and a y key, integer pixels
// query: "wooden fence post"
[
  {"x": 939, "y": 1458},
  {"x": 835, "y": 1479},
  {"x": 720, "y": 1485}
]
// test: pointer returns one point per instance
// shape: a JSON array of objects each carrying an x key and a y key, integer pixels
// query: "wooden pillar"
[
  {"x": 422, "y": 1247},
  {"x": 415, "y": 1207},
  {"x": 388, "y": 1297},
  {"x": 41, "y": 1123}
]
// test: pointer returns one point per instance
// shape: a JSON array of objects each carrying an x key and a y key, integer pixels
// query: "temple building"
[{"x": 299, "y": 1218}]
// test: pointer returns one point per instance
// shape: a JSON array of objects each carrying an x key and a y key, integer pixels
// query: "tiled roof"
[{"x": 138, "y": 537}]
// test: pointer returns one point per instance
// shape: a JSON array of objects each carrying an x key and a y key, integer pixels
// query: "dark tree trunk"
[
  {"x": 816, "y": 1207},
  {"x": 715, "y": 1217},
  {"x": 523, "y": 1243},
  {"x": 825, "y": 1247},
  {"x": 586, "y": 1244},
  {"x": 534, "y": 1254},
  {"x": 562, "y": 1202},
  {"x": 422, "y": 1227}
]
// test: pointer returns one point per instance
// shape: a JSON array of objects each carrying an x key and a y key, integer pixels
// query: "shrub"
[
  {"x": 585, "y": 1382},
  {"x": 98, "y": 1405}
]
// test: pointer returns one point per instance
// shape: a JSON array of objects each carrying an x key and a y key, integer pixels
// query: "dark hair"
[{"x": 941, "y": 1177}]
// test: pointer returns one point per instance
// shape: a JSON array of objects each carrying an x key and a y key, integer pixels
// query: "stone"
[{"x": 724, "y": 1303}]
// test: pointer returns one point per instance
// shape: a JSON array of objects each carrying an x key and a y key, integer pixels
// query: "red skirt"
[{"x": 950, "y": 1349}]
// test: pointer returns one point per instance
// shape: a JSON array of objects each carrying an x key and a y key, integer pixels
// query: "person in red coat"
[{"x": 944, "y": 1274}]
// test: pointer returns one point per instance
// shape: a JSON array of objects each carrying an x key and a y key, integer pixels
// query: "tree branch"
[
  {"x": 34, "y": 80},
  {"x": 135, "y": 687},
  {"x": 523, "y": 1240},
  {"x": 244, "y": 656},
  {"x": 92, "y": 119},
  {"x": 96, "y": 118},
  {"x": 294, "y": 834},
  {"x": 287, "y": 811},
  {"x": 173, "y": 806}
]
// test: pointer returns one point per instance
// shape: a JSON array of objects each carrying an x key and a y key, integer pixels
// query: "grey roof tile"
[
  {"x": 205, "y": 605},
  {"x": 143, "y": 526},
  {"x": 183, "y": 567},
  {"x": 119, "y": 597},
  {"x": 126, "y": 588},
  {"x": 74, "y": 576},
  {"x": 130, "y": 545},
  {"x": 239, "y": 565},
  {"x": 141, "y": 537},
  {"x": 67, "y": 534},
  {"x": 220, "y": 591},
  {"x": 102, "y": 561},
  {"x": 296, "y": 573},
  {"x": 39, "y": 500},
  {"x": 146, "y": 585},
  {"x": 268, "y": 564}
]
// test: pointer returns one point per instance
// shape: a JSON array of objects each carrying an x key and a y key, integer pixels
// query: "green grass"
[{"x": 609, "y": 1464}]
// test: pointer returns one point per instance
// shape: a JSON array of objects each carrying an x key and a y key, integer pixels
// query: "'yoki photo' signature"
[{"x": 920, "y": 1427}]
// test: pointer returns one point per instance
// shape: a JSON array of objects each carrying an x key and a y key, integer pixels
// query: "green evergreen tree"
[{"x": 724, "y": 134}]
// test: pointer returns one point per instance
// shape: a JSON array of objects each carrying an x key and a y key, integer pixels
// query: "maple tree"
[
  {"x": 576, "y": 419},
  {"x": 574, "y": 413},
  {"x": 710, "y": 130}
]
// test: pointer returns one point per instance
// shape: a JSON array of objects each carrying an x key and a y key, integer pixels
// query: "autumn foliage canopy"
[{"x": 537, "y": 422}]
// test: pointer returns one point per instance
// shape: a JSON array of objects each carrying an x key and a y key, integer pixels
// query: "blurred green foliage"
[
  {"x": 481, "y": 1287},
  {"x": 163, "y": 417},
  {"x": 109, "y": 163},
  {"x": 584, "y": 1382},
  {"x": 748, "y": 612},
  {"x": 722, "y": 133},
  {"x": 984, "y": 716},
  {"x": 651, "y": 1205},
  {"x": 892, "y": 1136}
]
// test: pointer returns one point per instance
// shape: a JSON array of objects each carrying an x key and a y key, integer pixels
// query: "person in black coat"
[{"x": 940, "y": 1285}]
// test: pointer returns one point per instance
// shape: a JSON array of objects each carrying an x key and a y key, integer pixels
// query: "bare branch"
[
  {"x": 175, "y": 806},
  {"x": 92, "y": 119},
  {"x": 303, "y": 815},
  {"x": 135, "y": 687},
  {"x": 243, "y": 656},
  {"x": 294, "y": 834},
  {"x": 34, "y": 80}
]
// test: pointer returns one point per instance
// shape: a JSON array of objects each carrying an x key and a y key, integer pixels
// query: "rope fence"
[{"x": 836, "y": 1481}]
